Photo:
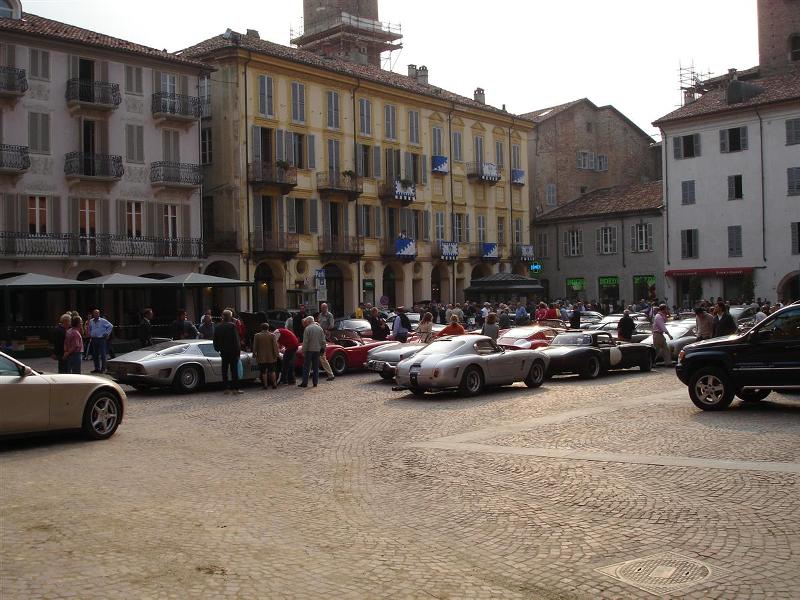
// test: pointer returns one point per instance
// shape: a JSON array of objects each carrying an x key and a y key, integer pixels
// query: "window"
[
  {"x": 133, "y": 80},
  {"x": 134, "y": 143},
  {"x": 39, "y": 64},
  {"x": 457, "y": 154},
  {"x": 642, "y": 237},
  {"x": 795, "y": 227},
  {"x": 170, "y": 142},
  {"x": 295, "y": 149},
  {"x": 501, "y": 230},
  {"x": 792, "y": 132},
  {"x": 794, "y": 47},
  {"x": 498, "y": 154},
  {"x": 39, "y": 133},
  {"x": 296, "y": 215},
  {"x": 333, "y": 110},
  {"x": 298, "y": 102},
  {"x": 573, "y": 242},
  {"x": 481, "y": 219},
  {"x": 363, "y": 222},
  {"x": 364, "y": 156},
  {"x": 688, "y": 192},
  {"x": 438, "y": 230},
  {"x": 436, "y": 134},
  {"x": 607, "y": 240},
  {"x": 37, "y": 215},
  {"x": 793, "y": 175},
  {"x": 478, "y": 141},
  {"x": 460, "y": 228},
  {"x": 266, "y": 98},
  {"x": 586, "y": 160},
  {"x": 364, "y": 117},
  {"x": 87, "y": 226},
  {"x": 735, "y": 240},
  {"x": 390, "y": 121},
  {"x": 735, "y": 187},
  {"x": 733, "y": 140},
  {"x": 516, "y": 162},
  {"x": 413, "y": 127},
  {"x": 518, "y": 231},
  {"x": 550, "y": 194},
  {"x": 6, "y": 13},
  {"x": 133, "y": 219},
  {"x": 602, "y": 162},
  {"x": 690, "y": 243},
  {"x": 170, "y": 221},
  {"x": 8, "y": 368},
  {"x": 542, "y": 245},
  {"x": 686, "y": 146},
  {"x": 205, "y": 146}
]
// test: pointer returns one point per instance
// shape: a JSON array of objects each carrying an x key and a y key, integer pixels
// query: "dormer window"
[{"x": 10, "y": 9}]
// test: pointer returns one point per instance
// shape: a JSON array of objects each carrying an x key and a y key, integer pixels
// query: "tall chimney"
[
  {"x": 480, "y": 95},
  {"x": 422, "y": 74},
  {"x": 412, "y": 71}
]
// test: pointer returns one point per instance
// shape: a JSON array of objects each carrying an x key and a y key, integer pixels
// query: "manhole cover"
[{"x": 662, "y": 573}]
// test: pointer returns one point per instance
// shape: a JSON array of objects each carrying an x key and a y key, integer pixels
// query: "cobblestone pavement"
[{"x": 352, "y": 490}]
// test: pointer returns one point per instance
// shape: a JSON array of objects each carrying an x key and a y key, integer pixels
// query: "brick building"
[
  {"x": 778, "y": 33},
  {"x": 578, "y": 147}
]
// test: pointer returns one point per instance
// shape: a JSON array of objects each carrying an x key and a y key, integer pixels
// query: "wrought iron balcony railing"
[
  {"x": 340, "y": 183},
  {"x": 396, "y": 190},
  {"x": 175, "y": 174},
  {"x": 266, "y": 242},
  {"x": 484, "y": 171},
  {"x": 100, "y": 94},
  {"x": 13, "y": 81},
  {"x": 14, "y": 158},
  {"x": 176, "y": 106},
  {"x": 97, "y": 166},
  {"x": 268, "y": 173},
  {"x": 99, "y": 245},
  {"x": 222, "y": 241},
  {"x": 344, "y": 245}
]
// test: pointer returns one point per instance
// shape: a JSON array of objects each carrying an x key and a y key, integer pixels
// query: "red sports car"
[
  {"x": 526, "y": 338},
  {"x": 345, "y": 354}
]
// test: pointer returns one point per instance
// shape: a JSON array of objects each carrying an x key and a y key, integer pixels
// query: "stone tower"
[
  {"x": 778, "y": 33},
  {"x": 347, "y": 29}
]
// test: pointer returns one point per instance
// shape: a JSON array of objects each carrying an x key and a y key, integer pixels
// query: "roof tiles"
[{"x": 618, "y": 200}]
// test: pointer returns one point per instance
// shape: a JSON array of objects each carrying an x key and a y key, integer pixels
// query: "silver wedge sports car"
[
  {"x": 32, "y": 402},
  {"x": 185, "y": 365},
  {"x": 383, "y": 359},
  {"x": 469, "y": 363}
]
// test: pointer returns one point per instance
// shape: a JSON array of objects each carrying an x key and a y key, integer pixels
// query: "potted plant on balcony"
[
  {"x": 282, "y": 165},
  {"x": 349, "y": 174},
  {"x": 406, "y": 183}
]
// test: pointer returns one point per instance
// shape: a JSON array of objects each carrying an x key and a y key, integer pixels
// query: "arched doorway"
[
  {"x": 217, "y": 299},
  {"x": 390, "y": 285},
  {"x": 334, "y": 282},
  {"x": 789, "y": 288},
  {"x": 264, "y": 289},
  {"x": 441, "y": 283}
]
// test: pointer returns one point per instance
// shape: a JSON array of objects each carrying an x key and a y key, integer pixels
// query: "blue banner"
[
  {"x": 449, "y": 250},
  {"x": 518, "y": 176},
  {"x": 440, "y": 164},
  {"x": 406, "y": 248},
  {"x": 491, "y": 251}
]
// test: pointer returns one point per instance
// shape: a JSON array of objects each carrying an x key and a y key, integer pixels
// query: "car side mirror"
[{"x": 25, "y": 371}]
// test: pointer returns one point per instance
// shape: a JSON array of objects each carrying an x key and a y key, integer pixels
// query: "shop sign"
[
  {"x": 536, "y": 267},
  {"x": 576, "y": 284},
  {"x": 609, "y": 281},
  {"x": 368, "y": 284},
  {"x": 648, "y": 280}
]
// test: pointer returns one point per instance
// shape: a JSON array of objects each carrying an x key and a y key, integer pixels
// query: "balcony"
[
  {"x": 282, "y": 244},
  {"x": 13, "y": 83},
  {"x": 523, "y": 253},
  {"x": 222, "y": 241},
  {"x": 99, "y": 96},
  {"x": 175, "y": 175},
  {"x": 484, "y": 172},
  {"x": 342, "y": 246},
  {"x": 485, "y": 251},
  {"x": 440, "y": 165},
  {"x": 14, "y": 160},
  {"x": 404, "y": 191},
  {"x": 404, "y": 249},
  {"x": 445, "y": 251},
  {"x": 517, "y": 177},
  {"x": 340, "y": 183},
  {"x": 93, "y": 167},
  {"x": 283, "y": 176},
  {"x": 29, "y": 245},
  {"x": 175, "y": 108}
]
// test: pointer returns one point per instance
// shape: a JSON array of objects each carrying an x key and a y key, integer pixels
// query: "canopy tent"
[
  {"x": 199, "y": 280},
  {"x": 120, "y": 280},
  {"x": 502, "y": 287},
  {"x": 30, "y": 281}
]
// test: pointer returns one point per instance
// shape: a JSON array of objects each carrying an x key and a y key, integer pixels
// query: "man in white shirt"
[{"x": 659, "y": 331}]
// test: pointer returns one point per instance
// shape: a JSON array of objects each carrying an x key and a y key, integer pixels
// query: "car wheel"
[
  {"x": 339, "y": 364},
  {"x": 647, "y": 363},
  {"x": 102, "y": 415},
  {"x": 592, "y": 368},
  {"x": 471, "y": 382},
  {"x": 535, "y": 375},
  {"x": 753, "y": 395},
  {"x": 710, "y": 389},
  {"x": 386, "y": 376},
  {"x": 188, "y": 379}
]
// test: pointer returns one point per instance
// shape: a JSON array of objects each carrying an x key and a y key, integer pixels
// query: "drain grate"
[{"x": 662, "y": 573}]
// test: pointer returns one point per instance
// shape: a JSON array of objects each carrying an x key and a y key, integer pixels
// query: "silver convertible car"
[
  {"x": 185, "y": 365},
  {"x": 469, "y": 363}
]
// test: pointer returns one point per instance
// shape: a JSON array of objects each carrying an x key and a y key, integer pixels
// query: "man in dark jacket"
[
  {"x": 59, "y": 335},
  {"x": 297, "y": 322},
  {"x": 725, "y": 325},
  {"x": 227, "y": 343},
  {"x": 625, "y": 327},
  {"x": 146, "y": 328},
  {"x": 182, "y": 328}
]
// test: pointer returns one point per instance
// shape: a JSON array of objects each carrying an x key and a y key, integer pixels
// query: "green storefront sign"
[
  {"x": 609, "y": 281},
  {"x": 368, "y": 284},
  {"x": 576, "y": 284},
  {"x": 648, "y": 280}
]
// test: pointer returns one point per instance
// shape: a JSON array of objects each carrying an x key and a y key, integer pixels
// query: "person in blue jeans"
[
  {"x": 314, "y": 342},
  {"x": 99, "y": 332}
]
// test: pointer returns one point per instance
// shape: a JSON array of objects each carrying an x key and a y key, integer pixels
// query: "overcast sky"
[{"x": 527, "y": 54}]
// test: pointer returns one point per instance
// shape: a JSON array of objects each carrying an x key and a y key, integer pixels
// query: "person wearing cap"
[
  {"x": 659, "y": 332},
  {"x": 401, "y": 326}
]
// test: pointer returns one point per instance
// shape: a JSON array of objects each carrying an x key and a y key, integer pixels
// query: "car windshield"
[
  {"x": 441, "y": 347},
  {"x": 162, "y": 347},
  {"x": 357, "y": 324},
  {"x": 572, "y": 339},
  {"x": 519, "y": 333},
  {"x": 737, "y": 312},
  {"x": 679, "y": 329}
]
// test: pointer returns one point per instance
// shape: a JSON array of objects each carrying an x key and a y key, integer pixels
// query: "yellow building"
[{"x": 319, "y": 164}]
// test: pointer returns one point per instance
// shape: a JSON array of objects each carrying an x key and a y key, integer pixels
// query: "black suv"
[{"x": 748, "y": 365}]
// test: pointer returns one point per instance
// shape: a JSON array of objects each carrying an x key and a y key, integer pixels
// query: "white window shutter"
[
  {"x": 614, "y": 240},
  {"x": 649, "y": 231},
  {"x": 262, "y": 94},
  {"x": 696, "y": 139},
  {"x": 743, "y": 134},
  {"x": 599, "y": 240},
  {"x": 677, "y": 148}
]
